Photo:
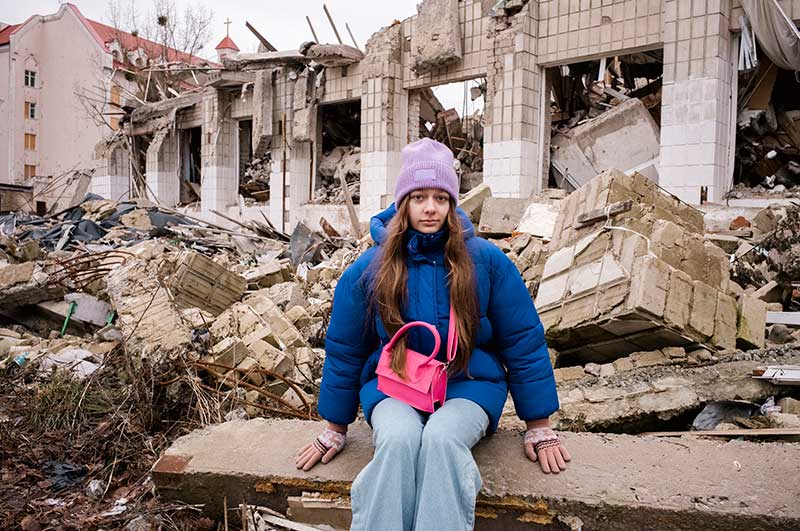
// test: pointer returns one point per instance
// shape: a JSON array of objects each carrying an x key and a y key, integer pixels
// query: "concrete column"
[
  {"x": 163, "y": 182},
  {"x": 220, "y": 180},
  {"x": 696, "y": 107},
  {"x": 414, "y": 102},
  {"x": 294, "y": 178},
  {"x": 511, "y": 165},
  {"x": 384, "y": 122},
  {"x": 112, "y": 176}
]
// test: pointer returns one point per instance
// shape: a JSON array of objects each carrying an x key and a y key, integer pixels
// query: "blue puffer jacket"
[{"x": 510, "y": 350}]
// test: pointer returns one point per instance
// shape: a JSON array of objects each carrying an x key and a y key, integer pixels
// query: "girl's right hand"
[{"x": 325, "y": 447}]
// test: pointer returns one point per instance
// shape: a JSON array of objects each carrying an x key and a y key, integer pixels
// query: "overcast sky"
[{"x": 282, "y": 22}]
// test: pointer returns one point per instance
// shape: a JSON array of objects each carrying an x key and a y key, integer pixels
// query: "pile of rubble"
[
  {"x": 341, "y": 164},
  {"x": 767, "y": 133},
  {"x": 638, "y": 296},
  {"x": 256, "y": 179},
  {"x": 162, "y": 323}
]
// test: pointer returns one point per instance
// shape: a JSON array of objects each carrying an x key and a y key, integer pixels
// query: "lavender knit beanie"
[{"x": 426, "y": 164}]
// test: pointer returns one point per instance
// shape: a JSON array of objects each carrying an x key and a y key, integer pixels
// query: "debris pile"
[
  {"x": 767, "y": 133},
  {"x": 256, "y": 179},
  {"x": 127, "y": 324},
  {"x": 342, "y": 163}
]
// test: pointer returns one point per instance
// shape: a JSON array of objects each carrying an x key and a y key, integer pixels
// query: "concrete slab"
[{"x": 615, "y": 481}]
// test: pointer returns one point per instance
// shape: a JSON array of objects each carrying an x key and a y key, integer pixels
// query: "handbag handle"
[{"x": 452, "y": 336}]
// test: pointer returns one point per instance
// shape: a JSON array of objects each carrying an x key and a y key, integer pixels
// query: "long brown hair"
[{"x": 391, "y": 294}]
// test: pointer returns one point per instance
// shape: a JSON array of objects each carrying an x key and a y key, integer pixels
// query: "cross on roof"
[{"x": 227, "y": 26}]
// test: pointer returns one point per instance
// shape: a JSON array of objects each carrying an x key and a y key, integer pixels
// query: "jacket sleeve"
[
  {"x": 349, "y": 341},
  {"x": 519, "y": 336}
]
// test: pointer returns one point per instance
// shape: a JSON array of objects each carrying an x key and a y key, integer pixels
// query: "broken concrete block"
[
  {"x": 436, "y": 41},
  {"x": 14, "y": 274},
  {"x": 703, "y": 310},
  {"x": 564, "y": 374},
  {"x": 146, "y": 316},
  {"x": 501, "y": 215},
  {"x": 624, "y": 137},
  {"x": 607, "y": 369},
  {"x": 789, "y": 405},
  {"x": 269, "y": 274},
  {"x": 648, "y": 359},
  {"x": 199, "y": 281},
  {"x": 769, "y": 292},
  {"x": 779, "y": 334},
  {"x": 558, "y": 262},
  {"x": 592, "y": 369},
  {"x": 283, "y": 329},
  {"x": 292, "y": 398},
  {"x": 649, "y": 285},
  {"x": 698, "y": 356},
  {"x": 264, "y": 333},
  {"x": 472, "y": 201},
  {"x": 622, "y": 364},
  {"x": 229, "y": 352},
  {"x": 678, "y": 308},
  {"x": 299, "y": 317},
  {"x": 539, "y": 219},
  {"x": 725, "y": 321},
  {"x": 249, "y": 364},
  {"x": 674, "y": 353},
  {"x": 752, "y": 323},
  {"x": 252, "y": 397},
  {"x": 89, "y": 309},
  {"x": 271, "y": 358},
  {"x": 287, "y": 295}
]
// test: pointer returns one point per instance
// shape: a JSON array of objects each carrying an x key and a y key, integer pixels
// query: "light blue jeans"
[{"x": 422, "y": 476}]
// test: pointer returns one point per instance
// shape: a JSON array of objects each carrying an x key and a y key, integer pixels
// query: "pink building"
[{"x": 51, "y": 68}]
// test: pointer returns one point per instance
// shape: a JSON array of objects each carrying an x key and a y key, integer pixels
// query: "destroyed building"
[
  {"x": 264, "y": 122},
  {"x": 199, "y": 296}
]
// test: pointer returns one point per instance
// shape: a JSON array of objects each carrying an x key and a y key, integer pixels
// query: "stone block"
[
  {"x": 607, "y": 369},
  {"x": 725, "y": 321},
  {"x": 558, "y": 262},
  {"x": 249, "y": 364},
  {"x": 200, "y": 282},
  {"x": 592, "y": 369},
  {"x": 436, "y": 41},
  {"x": 287, "y": 294},
  {"x": 649, "y": 284},
  {"x": 230, "y": 352},
  {"x": 271, "y": 358},
  {"x": 622, "y": 364},
  {"x": 292, "y": 397},
  {"x": 789, "y": 405},
  {"x": 752, "y": 322},
  {"x": 698, "y": 356},
  {"x": 472, "y": 201},
  {"x": 13, "y": 274},
  {"x": 299, "y": 316},
  {"x": 674, "y": 353},
  {"x": 648, "y": 359},
  {"x": 566, "y": 374},
  {"x": 703, "y": 310},
  {"x": 268, "y": 274},
  {"x": 679, "y": 298}
]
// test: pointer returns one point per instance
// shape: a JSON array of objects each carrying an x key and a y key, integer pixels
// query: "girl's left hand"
[{"x": 543, "y": 445}]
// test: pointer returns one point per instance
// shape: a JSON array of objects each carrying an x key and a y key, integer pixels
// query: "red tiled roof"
[
  {"x": 5, "y": 33},
  {"x": 105, "y": 35},
  {"x": 227, "y": 44},
  {"x": 128, "y": 41}
]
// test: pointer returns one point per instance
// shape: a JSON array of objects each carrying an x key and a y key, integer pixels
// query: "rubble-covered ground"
[{"x": 124, "y": 326}]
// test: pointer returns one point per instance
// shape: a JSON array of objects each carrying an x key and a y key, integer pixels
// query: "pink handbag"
[{"x": 426, "y": 381}]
